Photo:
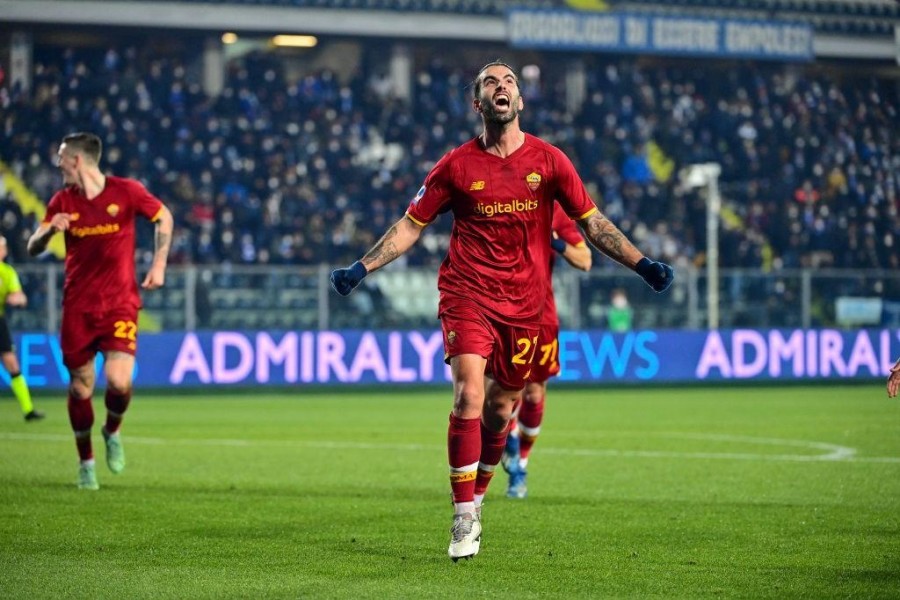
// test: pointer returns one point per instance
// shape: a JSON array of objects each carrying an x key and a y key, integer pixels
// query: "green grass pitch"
[{"x": 726, "y": 492}]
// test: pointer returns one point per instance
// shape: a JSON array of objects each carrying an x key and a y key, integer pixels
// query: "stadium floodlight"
[
  {"x": 295, "y": 41},
  {"x": 706, "y": 175}
]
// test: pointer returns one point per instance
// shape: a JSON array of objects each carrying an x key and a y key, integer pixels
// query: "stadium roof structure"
[{"x": 845, "y": 28}]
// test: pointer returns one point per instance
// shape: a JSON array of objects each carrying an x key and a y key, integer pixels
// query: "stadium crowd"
[{"x": 277, "y": 171}]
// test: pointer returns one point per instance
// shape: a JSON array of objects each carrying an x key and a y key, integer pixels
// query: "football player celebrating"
[{"x": 500, "y": 187}]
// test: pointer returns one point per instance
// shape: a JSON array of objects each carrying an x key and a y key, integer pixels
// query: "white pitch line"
[
  {"x": 833, "y": 452},
  {"x": 713, "y": 455}
]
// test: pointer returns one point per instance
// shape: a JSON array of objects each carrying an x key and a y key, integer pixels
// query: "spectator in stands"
[
  {"x": 619, "y": 314},
  {"x": 276, "y": 151}
]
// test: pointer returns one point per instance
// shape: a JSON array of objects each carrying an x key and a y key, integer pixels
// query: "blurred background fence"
[{"x": 227, "y": 297}]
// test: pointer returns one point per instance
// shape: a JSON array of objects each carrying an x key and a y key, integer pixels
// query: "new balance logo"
[{"x": 476, "y": 186}]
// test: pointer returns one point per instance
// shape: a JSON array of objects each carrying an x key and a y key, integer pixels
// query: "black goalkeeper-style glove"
[
  {"x": 344, "y": 280},
  {"x": 658, "y": 275}
]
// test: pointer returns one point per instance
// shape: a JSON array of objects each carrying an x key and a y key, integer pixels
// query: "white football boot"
[{"x": 465, "y": 536}]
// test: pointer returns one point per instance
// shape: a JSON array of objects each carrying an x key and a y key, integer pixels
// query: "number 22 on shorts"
[{"x": 126, "y": 330}]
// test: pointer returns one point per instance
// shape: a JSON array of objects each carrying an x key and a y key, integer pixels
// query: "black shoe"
[{"x": 34, "y": 415}]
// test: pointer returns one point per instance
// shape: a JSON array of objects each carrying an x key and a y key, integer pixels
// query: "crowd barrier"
[{"x": 587, "y": 357}]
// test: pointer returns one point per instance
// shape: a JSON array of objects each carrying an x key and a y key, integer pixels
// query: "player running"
[
  {"x": 97, "y": 213},
  {"x": 526, "y": 423}
]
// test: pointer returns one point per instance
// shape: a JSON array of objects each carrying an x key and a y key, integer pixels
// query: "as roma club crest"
[
  {"x": 533, "y": 180},
  {"x": 112, "y": 209}
]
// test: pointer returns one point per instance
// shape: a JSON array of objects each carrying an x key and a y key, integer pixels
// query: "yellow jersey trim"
[
  {"x": 158, "y": 214},
  {"x": 587, "y": 214},
  {"x": 414, "y": 220}
]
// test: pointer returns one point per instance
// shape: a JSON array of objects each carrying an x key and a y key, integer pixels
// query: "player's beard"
[
  {"x": 69, "y": 177},
  {"x": 489, "y": 111}
]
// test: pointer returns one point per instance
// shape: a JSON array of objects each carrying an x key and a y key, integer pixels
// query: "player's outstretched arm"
[
  {"x": 609, "y": 240},
  {"x": 156, "y": 276},
  {"x": 893, "y": 382},
  {"x": 38, "y": 241},
  {"x": 399, "y": 238}
]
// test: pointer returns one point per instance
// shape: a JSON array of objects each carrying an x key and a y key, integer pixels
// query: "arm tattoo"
[
  {"x": 384, "y": 251},
  {"x": 39, "y": 242},
  {"x": 605, "y": 236},
  {"x": 163, "y": 241}
]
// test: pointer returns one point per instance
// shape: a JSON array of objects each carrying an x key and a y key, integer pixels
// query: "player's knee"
[
  {"x": 496, "y": 418},
  {"x": 534, "y": 393},
  {"x": 531, "y": 397},
  {"x": 80, "y": 390},
  {"x": 499, "y": 407},
  {"x": 469, "y": 401},
  {"x": 118, "y": 384}
]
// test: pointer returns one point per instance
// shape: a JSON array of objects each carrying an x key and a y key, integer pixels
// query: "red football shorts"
[
  {"x": 546, "y": 360},
  {"x": 509, "y": 349},
  {"x": 83, "y": 335}
]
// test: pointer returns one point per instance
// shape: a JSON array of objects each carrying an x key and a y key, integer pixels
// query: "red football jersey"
[
  {"x": 100, "y": 243},
  {"x": 569, "y": 232},
  {"x": 502, "y": 210}
]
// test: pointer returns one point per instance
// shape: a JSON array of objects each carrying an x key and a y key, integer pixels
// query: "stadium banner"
[
  {"x": 659, "y": 34},
  {"x": 242, "y": 358}
]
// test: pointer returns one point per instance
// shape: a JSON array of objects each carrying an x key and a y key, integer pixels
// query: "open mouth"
[{"x": 502, "y": 101}]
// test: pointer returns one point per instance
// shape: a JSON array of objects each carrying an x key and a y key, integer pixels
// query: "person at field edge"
[
  {"x": 893, "y": 382},
  {"x": 528, "y": 415},
  {"x": 619, "y": 315},
  {"x": 100, "y": 305},
  {"x": 500, "y": 187},
  {"x": 11, "y": 293}
]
